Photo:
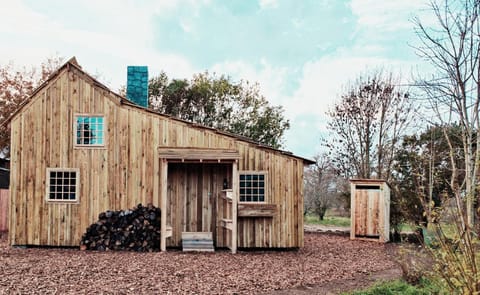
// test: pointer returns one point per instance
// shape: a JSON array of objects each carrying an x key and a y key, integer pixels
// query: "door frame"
[{"x": 195, "y": 155}]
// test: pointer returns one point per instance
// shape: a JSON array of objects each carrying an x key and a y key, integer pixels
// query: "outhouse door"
[{"x": 367, "y": 211}]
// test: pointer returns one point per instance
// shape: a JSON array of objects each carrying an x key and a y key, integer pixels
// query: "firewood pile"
[{"x": 137, "y": 229}]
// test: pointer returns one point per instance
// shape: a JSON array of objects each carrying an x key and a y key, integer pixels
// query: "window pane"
[
  {"x": 90, "y": 130},
  {"x": 252, "y": 188},
  {"x": 62, "y": 185}
]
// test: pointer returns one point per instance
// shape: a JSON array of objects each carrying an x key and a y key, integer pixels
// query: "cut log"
[{"x": 137, "y": 229}]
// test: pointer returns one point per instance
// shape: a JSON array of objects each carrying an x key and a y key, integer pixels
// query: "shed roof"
[{"x": 72, "y": 62}]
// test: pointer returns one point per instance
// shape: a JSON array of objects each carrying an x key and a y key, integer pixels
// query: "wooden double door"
[{"x": 193, "y": 191}]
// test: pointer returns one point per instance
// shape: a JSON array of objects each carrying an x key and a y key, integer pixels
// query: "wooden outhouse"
[
  {"x": 79, "y": 149},
  {"x": 370, "y": 209}
]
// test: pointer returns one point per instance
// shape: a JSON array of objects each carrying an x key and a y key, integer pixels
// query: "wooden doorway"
[{"x": 193, "y": 190}]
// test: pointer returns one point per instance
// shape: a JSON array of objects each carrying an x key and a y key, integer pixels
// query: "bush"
[{"x": 401, "y": 288}]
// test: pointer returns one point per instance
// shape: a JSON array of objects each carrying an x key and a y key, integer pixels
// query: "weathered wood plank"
[
  {"x": 4, "y": 205},
  {"x": 257, "y": 210}
]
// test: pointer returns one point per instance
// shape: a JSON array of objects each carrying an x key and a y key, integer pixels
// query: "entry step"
[{"x": 197, "y": 241}]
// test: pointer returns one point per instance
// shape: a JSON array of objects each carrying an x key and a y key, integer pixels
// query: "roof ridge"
[{"x": 123, "y": 100}]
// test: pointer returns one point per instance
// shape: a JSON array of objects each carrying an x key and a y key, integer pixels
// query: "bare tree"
[
  {"x": 323, "y": 186},
  {"x": 453, "y": 91},
  {"x": 366, "y": 126},
  {"x": 452, "y": 47}
]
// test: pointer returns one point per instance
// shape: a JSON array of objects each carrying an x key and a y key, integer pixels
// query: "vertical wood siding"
[
  {"x": 125, "y": 172},
  {"x": 4, "y": 196}
]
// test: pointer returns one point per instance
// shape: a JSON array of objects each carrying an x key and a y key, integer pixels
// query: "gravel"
[{"x": 324, "y": 258}]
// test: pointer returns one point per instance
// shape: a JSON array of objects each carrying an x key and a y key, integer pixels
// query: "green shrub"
[{"x": 401, "y": 287}]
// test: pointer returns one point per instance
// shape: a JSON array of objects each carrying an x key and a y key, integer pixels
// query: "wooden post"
[
  {"x": 352, "y": 210},
  {"x": 234, "y": 206},
  {"x": 163, "y": 203}
]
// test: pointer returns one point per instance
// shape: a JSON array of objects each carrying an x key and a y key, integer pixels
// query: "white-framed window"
[
  {"x": 63, "y": 184},
  {"x": 89, "y": 130},
  {"x": 252, "y": 186}
]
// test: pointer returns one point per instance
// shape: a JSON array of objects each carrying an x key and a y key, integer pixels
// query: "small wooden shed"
[
  {"x": 79, "y": 149},
  {"x": 370, "y": 210}
]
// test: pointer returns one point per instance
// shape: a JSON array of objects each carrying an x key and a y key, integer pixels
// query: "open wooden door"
[
  {"x": 193, "y": 190},
  {"x": 191, "y": 181}
]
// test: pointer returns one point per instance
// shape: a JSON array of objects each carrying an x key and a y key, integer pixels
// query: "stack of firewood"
[{"x": 137, "y": 229}]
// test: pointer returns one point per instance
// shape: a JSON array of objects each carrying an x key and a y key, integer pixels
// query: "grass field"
[{"x": 327, "y": 220}]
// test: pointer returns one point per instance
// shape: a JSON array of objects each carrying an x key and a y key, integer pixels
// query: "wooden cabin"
[{"x": 241, "y": 193}]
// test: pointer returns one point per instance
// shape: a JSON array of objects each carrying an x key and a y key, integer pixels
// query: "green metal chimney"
[{"x": 137, "y": 85}]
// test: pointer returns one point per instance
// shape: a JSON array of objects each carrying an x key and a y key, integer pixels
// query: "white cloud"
[
  {"x": 122, "y": 37},
  {"x": 387, "y": 15},
  {"x": 272, "y": 80},
  {"x": 265, "y": 4}
]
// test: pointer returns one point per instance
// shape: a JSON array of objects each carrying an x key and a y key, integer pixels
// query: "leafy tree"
[
  {"x": 15, "y": 87},
  {"x": 323, "y": 186},
  {"x": 218, "y": 102},
  {"x": 366, "y": 126},
  {"x": 421, "y": 174}
]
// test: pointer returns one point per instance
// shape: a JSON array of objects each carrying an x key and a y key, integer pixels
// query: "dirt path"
[{"x": 327, "y": 264}]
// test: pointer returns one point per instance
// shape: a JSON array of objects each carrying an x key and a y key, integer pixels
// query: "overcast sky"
[{"x": 301, "y": 52}]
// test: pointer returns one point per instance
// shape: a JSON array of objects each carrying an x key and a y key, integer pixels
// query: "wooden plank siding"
[
  {"x": 126, "y": 171},
  {"x": 4, "y": 200}
]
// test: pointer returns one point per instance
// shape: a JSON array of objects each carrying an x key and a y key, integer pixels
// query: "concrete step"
[{"x": 197, "y": 241}]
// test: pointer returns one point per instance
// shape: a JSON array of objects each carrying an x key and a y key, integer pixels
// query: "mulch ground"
[{"x": 323, "y": 260}]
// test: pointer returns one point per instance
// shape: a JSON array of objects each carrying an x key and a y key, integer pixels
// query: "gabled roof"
[{"x": 72, "y": 63}]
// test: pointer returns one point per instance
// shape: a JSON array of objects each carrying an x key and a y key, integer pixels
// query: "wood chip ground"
[{"x": 324, "y": 259}]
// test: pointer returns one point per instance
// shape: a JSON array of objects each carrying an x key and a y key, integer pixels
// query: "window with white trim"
[
  {"x": 63, "y": 184},
  {"x": 252, "y": 186},
  {"x": 89, "y": 130}
]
